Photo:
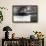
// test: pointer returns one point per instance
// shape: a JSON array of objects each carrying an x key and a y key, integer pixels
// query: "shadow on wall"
[{"x": 0, "y": 42}]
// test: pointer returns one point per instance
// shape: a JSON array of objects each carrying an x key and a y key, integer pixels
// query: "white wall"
[{"x": 23, "y": 29}]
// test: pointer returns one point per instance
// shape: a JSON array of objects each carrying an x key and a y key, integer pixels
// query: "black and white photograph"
[{"x": 25, "y": 13}]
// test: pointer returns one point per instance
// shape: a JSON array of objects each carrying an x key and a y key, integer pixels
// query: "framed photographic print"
[{"x": 25, "y": 13}]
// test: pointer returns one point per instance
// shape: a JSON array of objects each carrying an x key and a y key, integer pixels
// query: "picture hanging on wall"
[{"x": 25, "y": 13}]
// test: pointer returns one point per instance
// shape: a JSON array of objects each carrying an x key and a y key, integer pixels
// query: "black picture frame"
[{"x": 25, "y": 13}]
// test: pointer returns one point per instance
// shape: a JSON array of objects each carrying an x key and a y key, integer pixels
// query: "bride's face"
[{"x": 27, "y": 9}]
